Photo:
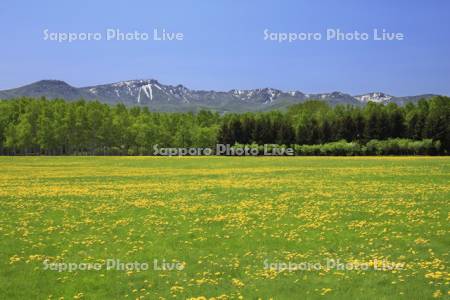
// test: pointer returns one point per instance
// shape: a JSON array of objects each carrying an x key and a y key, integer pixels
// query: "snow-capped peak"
[{"x": 374, "y": 97}]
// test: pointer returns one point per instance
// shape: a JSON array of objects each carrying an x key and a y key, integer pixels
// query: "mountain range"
[{"x": 160, "y": 97}]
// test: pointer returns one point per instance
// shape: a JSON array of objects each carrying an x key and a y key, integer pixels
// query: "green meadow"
[{"x": 224, "y": 227}]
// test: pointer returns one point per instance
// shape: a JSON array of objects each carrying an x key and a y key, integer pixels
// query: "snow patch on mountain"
[{"x": 374, "y": 97}]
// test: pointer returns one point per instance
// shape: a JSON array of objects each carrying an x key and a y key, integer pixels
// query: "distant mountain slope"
[
  {"x": 160, "y": 97},
  {"x": 47, "y": 88}
]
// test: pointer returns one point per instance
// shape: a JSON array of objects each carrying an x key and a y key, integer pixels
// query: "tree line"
[
  {"x": 58, "y": 127},
  {"x": 315, "y": 122}
]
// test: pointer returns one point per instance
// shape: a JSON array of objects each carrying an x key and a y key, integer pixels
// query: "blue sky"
[{"x": 224, "y": 47}]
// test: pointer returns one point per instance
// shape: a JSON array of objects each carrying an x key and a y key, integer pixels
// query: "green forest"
[{"x": 57, "y": 127}]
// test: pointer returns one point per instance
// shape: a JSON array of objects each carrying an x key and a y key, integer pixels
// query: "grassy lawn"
[{"x": 226, "y": 223}]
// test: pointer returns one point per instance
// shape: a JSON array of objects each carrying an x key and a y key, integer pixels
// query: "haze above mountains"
[{"x": 160, "y": 97}]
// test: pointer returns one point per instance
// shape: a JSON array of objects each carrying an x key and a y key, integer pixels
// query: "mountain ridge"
[{"x": 161, "y": 97}]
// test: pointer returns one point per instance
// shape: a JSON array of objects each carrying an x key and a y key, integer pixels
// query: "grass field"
[{"x": 223, "y": 220}]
